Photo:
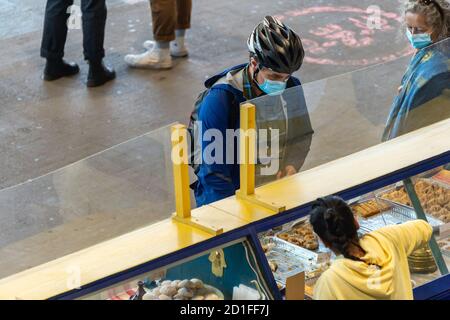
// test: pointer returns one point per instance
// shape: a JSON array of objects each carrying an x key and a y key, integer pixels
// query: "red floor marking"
[{"x": 325, "y": 40}]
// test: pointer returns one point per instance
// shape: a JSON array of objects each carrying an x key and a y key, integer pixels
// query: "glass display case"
[
  {"x": 229, "y": 272},
  {"x": 254, "y": 262},
  {"x": 293, "y": 244}
]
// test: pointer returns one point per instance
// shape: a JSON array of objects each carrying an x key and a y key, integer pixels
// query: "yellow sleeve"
[
  {"x": 410, "y": 235},
  {"x": 322, "y": 288}
]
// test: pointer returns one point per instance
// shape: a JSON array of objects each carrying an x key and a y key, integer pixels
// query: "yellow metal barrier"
[
  {"x": 179, "y": 138},
  {"x": 248, "y": 160}
]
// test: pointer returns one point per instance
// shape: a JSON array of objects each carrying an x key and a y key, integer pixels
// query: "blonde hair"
[{"x": 436, "y": 13}]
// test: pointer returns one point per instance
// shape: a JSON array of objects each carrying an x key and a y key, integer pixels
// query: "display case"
[
  {"x": 248, "y": 247},
  {"x": 230, "y": 271},
  {"x": 294, "y": 244}
]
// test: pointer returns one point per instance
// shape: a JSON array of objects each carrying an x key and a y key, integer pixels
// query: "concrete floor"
[{"x": 46, "y": 126}]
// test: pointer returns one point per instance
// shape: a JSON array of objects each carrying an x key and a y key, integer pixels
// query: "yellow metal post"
[
  {"x": 248, "y": 159},
  {"x": 247, "y": 148},
  {"x": 179, "y": 138},
  {"x": 181, "y": 170}
]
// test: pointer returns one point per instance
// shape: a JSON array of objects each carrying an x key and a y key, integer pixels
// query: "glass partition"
[
  {"x": 310, "y": 125},
  {"x": 106, "y": 195}
]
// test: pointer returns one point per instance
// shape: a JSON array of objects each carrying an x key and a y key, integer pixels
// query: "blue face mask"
[
  {"x": 273, "y": 88},
  {"x": 419, "y": 41}
]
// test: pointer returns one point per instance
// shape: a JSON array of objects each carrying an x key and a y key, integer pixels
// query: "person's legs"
[
  {"x": 158, "y": 54},
  {"x": 55, "y": 28},
  {"x": 54, "y": 38},
  {"x": 94, "y": 21},
  {"x": 164, "y": 20},
  {"x": 184, "y": 8},
  {"x": 178, "y": 47}
]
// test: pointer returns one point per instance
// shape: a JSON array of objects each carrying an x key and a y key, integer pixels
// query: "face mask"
[
  {"x": 419, "y": 41},
  {"x": 272, "y": 88}
]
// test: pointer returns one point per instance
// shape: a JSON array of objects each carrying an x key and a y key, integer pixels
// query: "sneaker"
[
  {"x": 152, "y": 59},
  {"x": 55, "y": 69},
  {"x": 99, "y": 74},
  {"x": 177, "y": 48}
]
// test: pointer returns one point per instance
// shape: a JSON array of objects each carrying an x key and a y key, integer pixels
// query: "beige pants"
[{"x": 169, "y": 15}]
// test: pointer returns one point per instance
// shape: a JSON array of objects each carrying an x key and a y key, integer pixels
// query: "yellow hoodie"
[{"x": 388, "y": 248}]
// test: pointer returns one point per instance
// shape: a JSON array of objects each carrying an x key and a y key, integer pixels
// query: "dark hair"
[{"x": 332, "y": 220}]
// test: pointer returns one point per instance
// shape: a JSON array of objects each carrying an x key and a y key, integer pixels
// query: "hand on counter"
[{"x": 286, "y": 172}]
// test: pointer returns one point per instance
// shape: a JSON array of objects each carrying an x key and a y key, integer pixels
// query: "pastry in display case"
[
  {"x": 433, "y": 195},
  {"x": 225, "y": 273},
  {"x": 302, "y": 236},
  {"x": 294, "y": 249},
  {"x": 444, "y": 245},
  {"x": 369, "y": 208}
]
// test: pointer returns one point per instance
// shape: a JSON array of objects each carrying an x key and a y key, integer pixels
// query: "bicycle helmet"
[{"x": 276, "y": 46}]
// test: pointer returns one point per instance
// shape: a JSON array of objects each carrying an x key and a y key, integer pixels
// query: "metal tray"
[
  {"x": 290, "y": 259},
  {"x": 404, "y": 212},
  {"x": 321, "y": 255},
  {"x": 378, "y": 221},
  {"x": 444, "y": 251}
]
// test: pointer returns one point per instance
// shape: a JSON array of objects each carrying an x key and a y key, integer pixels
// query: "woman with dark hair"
[
  {"x": 374, "y": 266},
  {"x": 423, "y": 97}
]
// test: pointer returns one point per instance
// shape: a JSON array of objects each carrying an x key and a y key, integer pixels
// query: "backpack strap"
[{"x": 234, "y": 112}]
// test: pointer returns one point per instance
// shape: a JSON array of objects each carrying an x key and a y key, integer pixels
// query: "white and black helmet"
[{"x": 276, "y": 46}]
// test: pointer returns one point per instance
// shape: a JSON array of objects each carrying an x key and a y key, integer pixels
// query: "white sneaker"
[
  {"x": 177, "y": 48},
  {"x": 155, "y": 58}
]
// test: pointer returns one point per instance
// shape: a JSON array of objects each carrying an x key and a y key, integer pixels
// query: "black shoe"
[
  {"x": 99, "y": 74},
  {"x": 55, "y": 69}
]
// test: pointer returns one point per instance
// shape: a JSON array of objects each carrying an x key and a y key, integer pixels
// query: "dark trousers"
[{"x": 55, "y": 28}]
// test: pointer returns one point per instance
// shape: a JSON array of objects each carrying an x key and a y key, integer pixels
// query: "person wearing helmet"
[{"x": 276, "y": 52}]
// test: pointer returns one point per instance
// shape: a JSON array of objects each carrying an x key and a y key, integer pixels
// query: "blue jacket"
[
  {"x": 417, "y": 104},
  {"x": 219, "y": 181}
]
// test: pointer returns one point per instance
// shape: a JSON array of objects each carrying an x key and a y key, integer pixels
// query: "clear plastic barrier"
[
  {"x": 101, "y": 197},
  {"x": 321, "y": 121}
]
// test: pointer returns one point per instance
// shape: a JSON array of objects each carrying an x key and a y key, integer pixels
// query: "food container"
[
  {"x": 403, "y": 212},
  {"x": 422, "y": 261},
  {"x": 291, "y": 259},
  {"x": 444, "y": 245},
  {"x": 443, "y": 176}
]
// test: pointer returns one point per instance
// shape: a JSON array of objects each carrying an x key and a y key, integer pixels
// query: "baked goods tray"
[
  {"x": 378, "y": 221},
  {"x": 290, "y": 259},
  {"x": 320, "y": 255},
  {"x": 442, "y": 177},
  {"x": 444, "y": 245},
  {"x": 403, "y": 212}
]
